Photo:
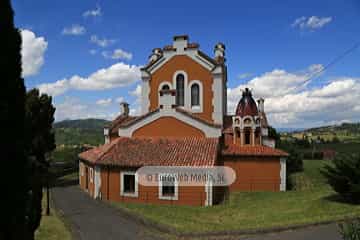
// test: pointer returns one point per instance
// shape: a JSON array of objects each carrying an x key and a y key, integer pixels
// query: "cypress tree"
[
  {"x": 41, "y": 137},
  {"x": 14, "y": 174}
]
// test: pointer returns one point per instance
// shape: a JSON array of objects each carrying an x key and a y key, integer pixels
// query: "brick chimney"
[
  {"x": 124, "y": 108},
  {"x": 261, "y": 105},
  {"x": 219, "y": 51}
]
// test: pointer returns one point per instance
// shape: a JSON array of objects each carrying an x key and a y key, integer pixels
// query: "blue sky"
[{"x": 271, "y": 46}]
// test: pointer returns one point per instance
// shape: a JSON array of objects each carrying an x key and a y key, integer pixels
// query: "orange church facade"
[{"x": 184, "y": 122}]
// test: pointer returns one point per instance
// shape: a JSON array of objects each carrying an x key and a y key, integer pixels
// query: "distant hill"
[
  {"x": 78, "y": 132},
  {"x": 90, "y": 123},
  {"x": 346, "y": 132},
  {"x": 353, "y": 128},
  {"x": 289, "y": 130}
]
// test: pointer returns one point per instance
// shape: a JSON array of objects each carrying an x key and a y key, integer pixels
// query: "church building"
[{"x": 184, "y": 122}]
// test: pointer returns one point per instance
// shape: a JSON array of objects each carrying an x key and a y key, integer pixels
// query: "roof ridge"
[{"x": 200, "y": 119}]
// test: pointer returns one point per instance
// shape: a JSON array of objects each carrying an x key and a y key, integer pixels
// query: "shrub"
[
  {"x": 350, "y": 230},
  {"x": 294, "y": 164},
  {"x": 343, "y": 175}
]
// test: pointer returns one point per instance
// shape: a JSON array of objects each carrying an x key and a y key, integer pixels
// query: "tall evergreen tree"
[
  {"x": 14, "y": 174},
  {"x": 41, "y": 138}
]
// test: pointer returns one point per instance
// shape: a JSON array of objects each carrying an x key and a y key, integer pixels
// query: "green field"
[
  {"x": 244, "y": 210},
  {"x": 52, "y": 227}
]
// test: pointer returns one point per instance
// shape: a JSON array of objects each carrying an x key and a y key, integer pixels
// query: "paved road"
[{"x": 94, "y": 220}]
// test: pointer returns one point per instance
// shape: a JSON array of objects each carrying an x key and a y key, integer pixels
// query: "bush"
[
  {"x": 343, "y": 175},
  {"x": 294, "y": 164},
  {"x": 350, "y": 230}
]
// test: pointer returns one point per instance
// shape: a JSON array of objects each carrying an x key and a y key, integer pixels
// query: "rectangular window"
[
  {"x": 128, "y": 184},
  {"x": 168, "y": 187}
]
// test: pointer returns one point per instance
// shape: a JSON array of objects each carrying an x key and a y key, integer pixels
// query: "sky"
[{"x": 87, "y": 54}]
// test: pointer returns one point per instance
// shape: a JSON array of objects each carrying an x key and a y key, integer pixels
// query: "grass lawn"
[
  {"x": 52, "y": 227},
  {"x": 247, "y": 210}
]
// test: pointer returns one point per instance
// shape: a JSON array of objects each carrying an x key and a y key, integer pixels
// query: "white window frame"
[
  {"x": 91, "y": 174},
  {"x": 176, "y": 190},
  {"x": 126, "y": 194},
  {"x": 186, "y": 92},
  {"x": 82, "y": 169},
  {"x": 199, "y": 108},
  {"x": 163, "y": 83}
]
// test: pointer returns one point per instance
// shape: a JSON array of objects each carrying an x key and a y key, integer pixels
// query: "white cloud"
[
  {"x": 311, "y": 23},
  {"x": 33, "y": 51},
  {"x": 93, "y": 51},
  {"x": 93, "y": 12},
  {"x": 119, "y": 100},
  {"x": 101, "y": 42},
  {"x": 75, "y": 30},
  {"x": 290, "y": 102},
  {"x": 244, "y": 75},
  {"x": 56, "y": 88},
  {"x": 117, "y": 75},
  {"x": 74, "y": 108},
  {"x": 104, "y": 102},
  {"x": 118, "y": 54},
  {"x": 136, "y": 108}
]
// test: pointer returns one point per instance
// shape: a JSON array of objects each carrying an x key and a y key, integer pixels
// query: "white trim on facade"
[
  {"x": 196, "y": 109},
  {"x": 97, "y": 187},
  {"x": 218, "y": 94},
  {"x": 161, "y": 85},
  {"x": 191, "y": 53},
  {"x": 209, "y": 131},
  {"x": 145, "y": 91},
  {"x": 91, "y": 174},
  {"x": 125, "y": 194},
  {"x": 176, "y": 190},
  {"x": 209, "y": 193},
  {"x": 283, "y": 174}
]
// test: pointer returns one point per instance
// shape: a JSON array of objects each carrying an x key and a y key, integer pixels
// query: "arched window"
[
  {"x": 165, "y": 87},
  {"x": 180, "y": 82},
  {"x": 195, "y": 95}
]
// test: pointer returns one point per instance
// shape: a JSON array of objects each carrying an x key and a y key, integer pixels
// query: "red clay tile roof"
[
  {"x": 138, "y": 118},
  {"x": 192, "y": 45},
  {"x": 118, "y": 122},
  {"x": 235, "y": 150},
  {"x": 137, "y": 152}
]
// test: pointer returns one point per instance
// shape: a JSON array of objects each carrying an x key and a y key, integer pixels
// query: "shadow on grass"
[{"x": 340, "y": 199}]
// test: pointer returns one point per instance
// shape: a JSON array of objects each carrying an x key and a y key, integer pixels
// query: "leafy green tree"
[
  {"x": 294, "y": 164},
  {"x": 41, "y": 140},
  {"x": 274, "y": 135},
  {"x": 15, "y": 174},
  {"x": 343, "y": 175}
]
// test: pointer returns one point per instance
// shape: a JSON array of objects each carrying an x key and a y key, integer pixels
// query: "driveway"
[{"x": 95, "y": 220}]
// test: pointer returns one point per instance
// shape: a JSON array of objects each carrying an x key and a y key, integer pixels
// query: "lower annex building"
[{"x": 184, "y": 122}]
